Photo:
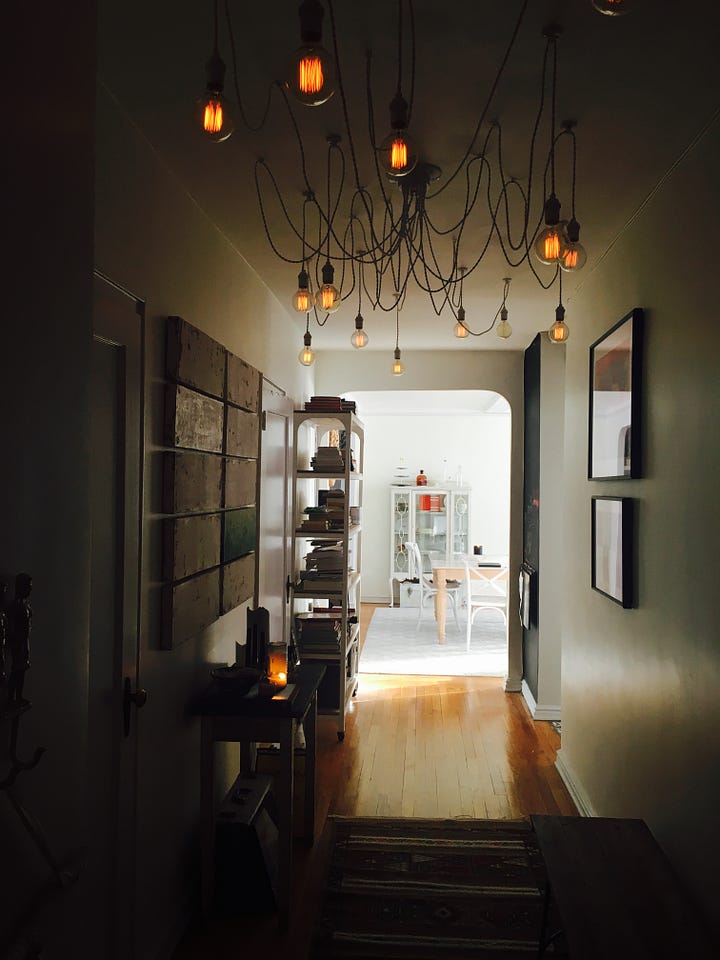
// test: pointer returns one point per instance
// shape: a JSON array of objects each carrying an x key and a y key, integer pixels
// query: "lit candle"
[{"x": 277, "y": 665}]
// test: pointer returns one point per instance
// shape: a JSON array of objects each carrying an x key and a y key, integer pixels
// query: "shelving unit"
[
  {"x": 337, "y": 644},
  {"x": 437, "y": 518}
]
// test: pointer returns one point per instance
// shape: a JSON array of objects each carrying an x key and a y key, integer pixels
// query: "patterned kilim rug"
[
  {"x": 426, "y": 889},
  {"x": 395, "y": 644}
]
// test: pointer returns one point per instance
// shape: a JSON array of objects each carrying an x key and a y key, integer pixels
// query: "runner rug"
[{"x": 426, "y": 889}]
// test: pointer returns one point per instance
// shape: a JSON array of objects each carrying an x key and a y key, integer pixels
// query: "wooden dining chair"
[
  {"x": 427, "y": 586},
  {"x": 493, "y": 595}
]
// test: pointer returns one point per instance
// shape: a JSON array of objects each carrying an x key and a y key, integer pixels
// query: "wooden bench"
[{"x": 615, "y": 893}]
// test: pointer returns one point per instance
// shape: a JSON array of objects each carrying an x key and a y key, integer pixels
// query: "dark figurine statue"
[{"x": 20, "y": 623}]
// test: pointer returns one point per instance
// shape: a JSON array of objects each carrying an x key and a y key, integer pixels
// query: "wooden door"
[{"x": 116, "y": 464}]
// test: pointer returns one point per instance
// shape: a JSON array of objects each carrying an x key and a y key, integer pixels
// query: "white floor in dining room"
[{"x": 398, "y": 643}]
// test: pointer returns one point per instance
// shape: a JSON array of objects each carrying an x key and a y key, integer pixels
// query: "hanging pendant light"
[
  {"x": 212, "y": 110},
  {"x": 503, "y": 329},
  {"x": 398, "y": 367},
  {"x": 327, "y": 298},
  {"x": 575, "y": 257},
  {"x": 302, "y": 300},
  {"x": 307, "y": 354},
  {"x": 559, "y": 331},
  {"x": 397, "y": 153},
  {"x": 551, "y": 242},
  {"x": 359, "y": 338},
  {"x": 312, "y": 69},
  {"x": 461, "y": 331}
]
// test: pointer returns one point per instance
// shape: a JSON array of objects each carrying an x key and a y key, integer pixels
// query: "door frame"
[{"x": 118, "y": 332}]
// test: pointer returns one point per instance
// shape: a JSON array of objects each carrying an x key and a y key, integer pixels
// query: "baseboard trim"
[
  {"x": 540, "y": 711},
  {"x": 574, "y": 786},
  {"x": 385, "y": 600}
]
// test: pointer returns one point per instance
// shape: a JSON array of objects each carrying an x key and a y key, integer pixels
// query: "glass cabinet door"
[
  {"x": 400, "y": 532},
  {"x": 460, "y": 524},
  {"x": 431, "y": 524}
]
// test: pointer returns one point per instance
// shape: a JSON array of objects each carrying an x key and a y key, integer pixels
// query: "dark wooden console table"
[
  {"x": 617, "y": 896},
  {"x": 254, "y": 719}
]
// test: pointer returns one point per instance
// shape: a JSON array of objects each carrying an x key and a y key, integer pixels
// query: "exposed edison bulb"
[
  {"x": 398, "y": 367},
  {"x": 613, "y": 8},
  {"x": 397, "y": 153},
  {"x": 307, "y": 354},
  {"x": 503, "y": 329},
  {"x": 312, "y": 73},
  {"x": 575, "y": 256},
  {"x": 559, "y": 331},
  {"x": 213, "y": 113},
  {"x": 327, "y": 298},
  {"x": 551, "y": 243},
  {"x": 302, "y": 300},
  {"x": 359, "y": 339},
  {"x": 461, "y": 331}
]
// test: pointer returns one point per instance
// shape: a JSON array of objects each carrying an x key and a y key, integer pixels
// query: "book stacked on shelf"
[
  {"x": 328, "y": 460},
  {"x": 335, "y": 504},
  {"x": 318, "y": 635},
  {"x": 329, "y": 405},
  {"x": 316, "y": 520}
]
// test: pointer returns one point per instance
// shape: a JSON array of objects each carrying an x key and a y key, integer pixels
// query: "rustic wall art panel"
[
  {"x": 242, "y": 433},
  {"x": 193, "y": 420},
  {"x": 192, "y": 544},
  {"x": 238, "y": 533},
  {"x": 238, "y": 582},
  {"x": 192, "y": 483},
  {"x": 240, "y": 483},
  {"x": 190, "y": 607},
  {"x": 243, "y": 384},
  {"x": 194, "y": 358}
]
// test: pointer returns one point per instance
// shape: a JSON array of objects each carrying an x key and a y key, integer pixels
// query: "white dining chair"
[
  {"x": 491, "y": 594},
  {"x": 427, "y": 586}
]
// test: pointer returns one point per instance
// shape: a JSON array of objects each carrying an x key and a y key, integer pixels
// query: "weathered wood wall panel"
[
  {"x": 194, "y": 421},
  {"x": 243, "y": 384},
  {"x": 242, "y": 433},
  {"x": 239, "y": 531},
  {"x": 240, "y": 483},
  {"x": 194, "y": 358},
  {"x": 192, "y": 483},
  {"x": 192, "y": 544},
  {"x": 238, "y": 582},
  {"x": 190, "y": 607}
]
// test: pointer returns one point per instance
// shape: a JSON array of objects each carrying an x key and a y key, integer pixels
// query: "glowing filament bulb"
[
  {"x": 213, "y": 116},
  {"x": 398, "y": 154},
  {"x": 570, "y": 260},
  {"x": 551, "y": 246},
  {"x": 302, "y": 301},
  {"x": 311, "y": 77}
]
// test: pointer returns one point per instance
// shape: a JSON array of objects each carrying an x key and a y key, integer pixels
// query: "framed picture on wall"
[
  {"x": 612, "y": 548},
  {"x": 615, "y": 396}
]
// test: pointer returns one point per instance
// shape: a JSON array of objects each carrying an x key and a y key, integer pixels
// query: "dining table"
[{"x": 482, "y": 567}]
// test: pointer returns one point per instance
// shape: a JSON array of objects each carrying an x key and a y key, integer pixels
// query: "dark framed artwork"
[
  {"x": 612, "y": 548},
  {"x": 615, "y": 396}
]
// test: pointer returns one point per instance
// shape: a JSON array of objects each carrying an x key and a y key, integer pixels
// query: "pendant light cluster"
[{"x": 396, "y": 239}]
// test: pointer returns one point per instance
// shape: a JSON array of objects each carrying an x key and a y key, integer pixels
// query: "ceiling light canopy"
[{"x": 375, "y": 226}]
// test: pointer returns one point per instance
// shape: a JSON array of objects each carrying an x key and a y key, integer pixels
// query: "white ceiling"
[{"x": 640, "y": 88}]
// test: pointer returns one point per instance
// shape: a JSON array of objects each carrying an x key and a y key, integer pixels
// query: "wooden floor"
[{"x": 414, "y": 747}]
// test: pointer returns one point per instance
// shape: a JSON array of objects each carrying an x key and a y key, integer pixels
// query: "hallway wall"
[
  {"x": 641, "y": 711},
  {"x": 152, "y": 238}
]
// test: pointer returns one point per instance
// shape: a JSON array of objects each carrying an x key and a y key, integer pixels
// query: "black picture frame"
[
  {"x": 614, "y": 451},
  {"x": 612, "y": 520}
]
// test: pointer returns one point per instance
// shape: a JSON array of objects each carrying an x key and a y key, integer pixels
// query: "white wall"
[
  {"x": 641, "y": 710},
  {"x": 480, "y": 443}
]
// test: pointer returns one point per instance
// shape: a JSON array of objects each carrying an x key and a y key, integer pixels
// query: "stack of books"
[
  {"x": 319, "y": 634},
  {"x": 326, "y": 558},
  {"x": 316, "y": 520},
  {"x": 328, "y": 460},
  {"x": 329, "y": 405},
  {"x": 335, "y": 504}
]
